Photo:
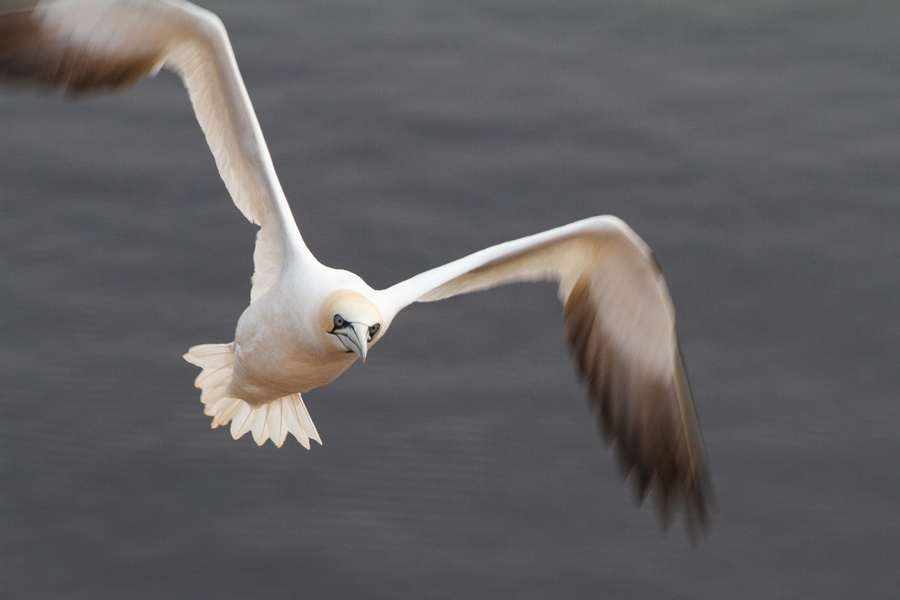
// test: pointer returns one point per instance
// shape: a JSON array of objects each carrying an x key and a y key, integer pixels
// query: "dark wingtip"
[
  {"x": 30, "y": 56},
  {"x": 650, "y": 423},
  {"x": 17, "y": 6}
]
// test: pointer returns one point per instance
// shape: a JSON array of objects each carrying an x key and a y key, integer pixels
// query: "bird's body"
[
  {"x": 307, "y": 323},
  {"x": 278, "y": 346}
]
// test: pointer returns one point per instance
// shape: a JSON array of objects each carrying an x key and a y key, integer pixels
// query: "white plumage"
[{"x": 306, "y": 322}]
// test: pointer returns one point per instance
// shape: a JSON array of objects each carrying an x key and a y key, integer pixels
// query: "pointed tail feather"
[{"x": 273, "y": 420}]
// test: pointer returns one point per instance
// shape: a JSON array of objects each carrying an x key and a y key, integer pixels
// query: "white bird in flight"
[{"x": 307, "y": 323}]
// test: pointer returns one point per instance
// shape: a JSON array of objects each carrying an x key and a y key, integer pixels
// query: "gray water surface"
[{"x": 753, "y": 145}]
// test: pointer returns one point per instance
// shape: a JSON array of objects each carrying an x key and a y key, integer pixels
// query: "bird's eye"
[
  {"x": 338, "y": 321},
  {"x": 374, "y": 329}
]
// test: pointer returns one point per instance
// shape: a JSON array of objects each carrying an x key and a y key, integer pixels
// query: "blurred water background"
[{"x": 753, "y": 145}]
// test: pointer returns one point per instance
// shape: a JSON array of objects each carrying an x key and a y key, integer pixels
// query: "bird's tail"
[{"x": 273, "y": 420}]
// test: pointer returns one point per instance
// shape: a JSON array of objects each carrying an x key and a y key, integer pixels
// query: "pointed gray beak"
[{"x": 356, "y": 339}]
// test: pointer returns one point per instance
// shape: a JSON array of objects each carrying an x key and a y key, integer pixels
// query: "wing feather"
[
  {"x": 101, "y": 45},
  {"x": 620, "y": 326}
]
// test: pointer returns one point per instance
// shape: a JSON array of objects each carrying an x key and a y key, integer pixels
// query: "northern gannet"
[{"x": 307, "y": 323}]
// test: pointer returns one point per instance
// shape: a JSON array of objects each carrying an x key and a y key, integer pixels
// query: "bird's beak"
[{"x": 356, "y": 339}]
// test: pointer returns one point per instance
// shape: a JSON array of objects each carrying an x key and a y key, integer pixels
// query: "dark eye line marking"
[{"x": 373, "y": 330}]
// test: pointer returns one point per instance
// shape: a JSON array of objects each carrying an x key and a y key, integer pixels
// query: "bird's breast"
[
  {"x": 260, "y": 378},
  {"x": 277, "y": 353}
]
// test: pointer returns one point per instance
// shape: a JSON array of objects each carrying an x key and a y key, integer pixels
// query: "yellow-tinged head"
[{"x": 352, "y": 320}]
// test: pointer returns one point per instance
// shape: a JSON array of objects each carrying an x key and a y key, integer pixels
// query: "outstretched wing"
[
  {"x": 620, "y": 325},
  {"x": 88, "y": 45}
]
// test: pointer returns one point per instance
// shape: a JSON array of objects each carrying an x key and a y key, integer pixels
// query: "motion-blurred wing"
[
  {"x": 620, "y": 325},
  {"x": 87, "y": 45}
]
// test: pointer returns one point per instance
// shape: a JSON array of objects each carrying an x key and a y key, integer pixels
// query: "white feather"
[
  {"x": 293, "y": 421},
  {"x": 211, "y": 378},
  {"x": 213, "y": 394},
  {"x": 241, "y": 421},
  {"x": 275, "y": 422},
  {"x": 226, "y": 414},
  {"x": 258, "y": 423},
  {"x": 210, "y": 356},
  {"x": 304, "y": 419}
]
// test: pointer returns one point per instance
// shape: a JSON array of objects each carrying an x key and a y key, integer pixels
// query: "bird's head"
[{"x": 351, "y": 322}]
